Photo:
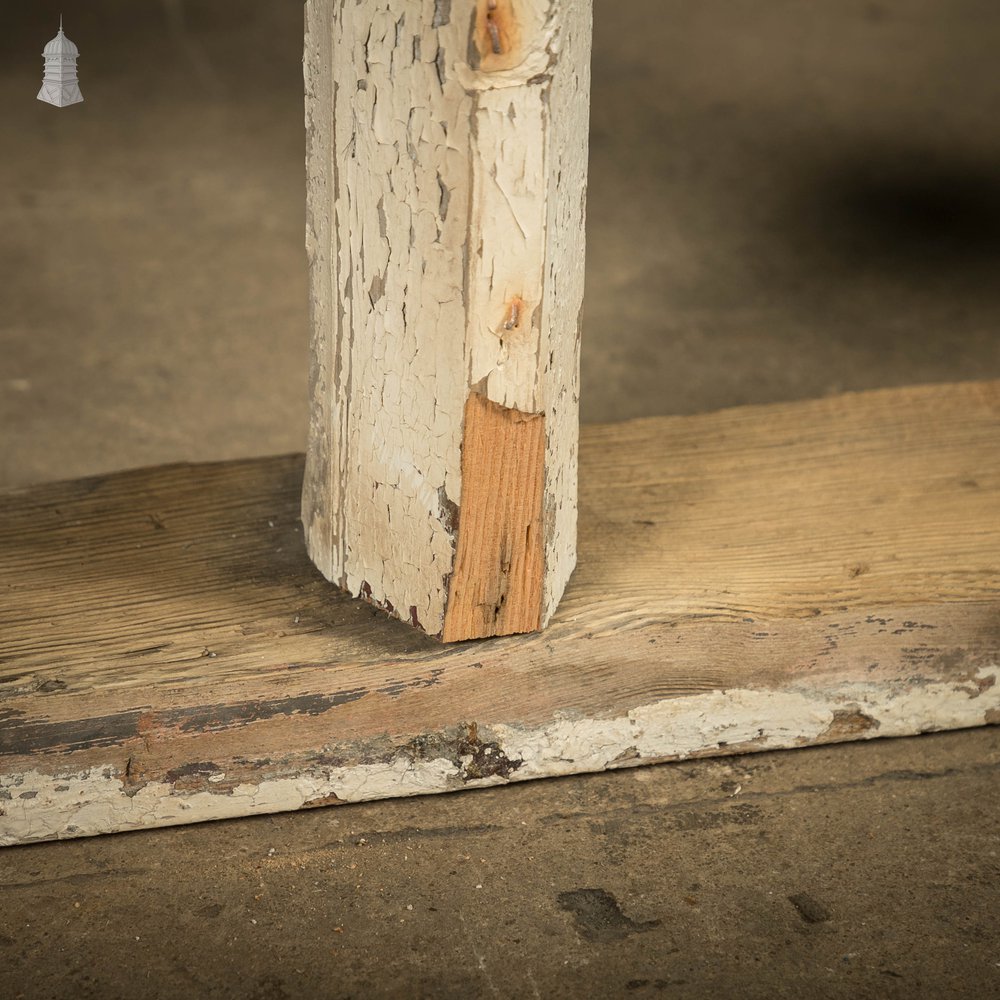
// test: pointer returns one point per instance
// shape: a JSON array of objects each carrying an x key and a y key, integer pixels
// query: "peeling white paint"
[
  {"x": 38, "y": 806},
  {"x": 770, "y": 720},
  {"x": 95, "y": 802},
  {"x": 446, "y": 243}
]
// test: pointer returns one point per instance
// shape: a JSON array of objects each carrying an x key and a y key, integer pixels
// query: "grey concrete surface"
[
  {"x": 787, "y": 200},
  {"x": 673, "y": 881}
]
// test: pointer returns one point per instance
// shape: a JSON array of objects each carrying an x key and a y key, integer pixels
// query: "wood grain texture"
[
  {"x": 446, "y": 179},
  {"x": 496, "y": 588},
  {"x": 756, "y": 578}
]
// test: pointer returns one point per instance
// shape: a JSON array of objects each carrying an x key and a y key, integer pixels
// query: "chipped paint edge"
[
  {"x": 446, "y": 192},
  {"x": 95, "y": 801}
]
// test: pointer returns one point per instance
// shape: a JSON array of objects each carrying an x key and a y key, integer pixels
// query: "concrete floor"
[{"x": 785, "y": 202}]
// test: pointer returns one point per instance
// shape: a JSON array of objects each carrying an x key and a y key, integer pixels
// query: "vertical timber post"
[{"x": 446, "y": 171}]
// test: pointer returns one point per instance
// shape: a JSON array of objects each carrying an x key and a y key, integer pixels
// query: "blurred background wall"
[{"x": 787, "y": 199}]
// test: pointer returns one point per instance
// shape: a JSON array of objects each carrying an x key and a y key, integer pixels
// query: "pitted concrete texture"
[
  {"x": 863, "y": 870},
  {"x": 786, "y": 200}
]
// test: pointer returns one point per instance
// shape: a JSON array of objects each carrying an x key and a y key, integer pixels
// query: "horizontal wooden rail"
[{"x": 757, "y": 578}]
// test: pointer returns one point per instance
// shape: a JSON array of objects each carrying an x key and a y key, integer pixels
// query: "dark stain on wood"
[
  {"x": 17, "y": 738},
  {"x": 396, "y": 688},
  {"x": 210, "y": 717},
  {"x": 450, "y": 513},
  {"x": 198, "y": 767},
  {"x": 488, "y": 759}
]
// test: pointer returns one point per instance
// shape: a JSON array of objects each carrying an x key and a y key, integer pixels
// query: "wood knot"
[
  {"x": 495, "y": 35},
  {"x": 514, "y": 315}
]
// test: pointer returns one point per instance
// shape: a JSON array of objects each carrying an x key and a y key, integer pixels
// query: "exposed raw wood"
[
  {"x": 447, "y": 167},
  {"x": 752, "y": 579},
  {"x": 497, "y": 585}
]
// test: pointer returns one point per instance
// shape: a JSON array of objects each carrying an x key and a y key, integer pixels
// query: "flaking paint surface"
[
  {"x": 446, "y": 252},
  {"x": 36, "y": 806}
]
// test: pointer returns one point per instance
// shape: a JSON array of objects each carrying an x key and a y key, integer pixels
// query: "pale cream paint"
[
  {"x": 47, "y": 807},
  {"x": 446, "y": 242}
]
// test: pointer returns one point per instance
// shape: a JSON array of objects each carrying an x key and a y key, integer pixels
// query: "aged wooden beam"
[
  {"x": 757, "y": 578},
  {"x": 447, "y": 166}
]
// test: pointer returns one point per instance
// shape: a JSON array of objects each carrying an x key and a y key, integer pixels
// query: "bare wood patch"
[{"x": 499, "y": 563}]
